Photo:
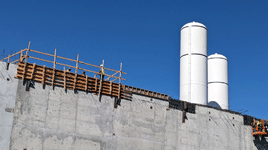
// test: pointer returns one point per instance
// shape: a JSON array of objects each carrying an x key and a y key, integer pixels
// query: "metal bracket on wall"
[
  {"x": 100, "y": 88},
  {"x": 7, "y": 67},
  {"x": 117, "y": 102},
  {"x": 183, "y": 116},
  {"x": 27, "y": 88},
  {"x": 184, "y": 112},
  {"x": 29, "y": 83}
]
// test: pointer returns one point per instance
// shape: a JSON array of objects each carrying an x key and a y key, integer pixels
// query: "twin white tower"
[{"x": 203, "y": 80}]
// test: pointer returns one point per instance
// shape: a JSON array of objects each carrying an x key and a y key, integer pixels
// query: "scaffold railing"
[
  {"x": 73, "y": 80},
  {"x": 116, "y": 75}
]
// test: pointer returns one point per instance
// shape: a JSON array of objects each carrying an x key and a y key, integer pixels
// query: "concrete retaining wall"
[
  {"x": 8, "y": 91},
  {"x": 54, "y": 119}
]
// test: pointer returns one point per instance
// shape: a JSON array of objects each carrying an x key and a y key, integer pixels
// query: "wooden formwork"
[
  {"x": 69, "y": 80},
  {"x": 146, "y": 92},
  {"x": 75, "y": 81}
]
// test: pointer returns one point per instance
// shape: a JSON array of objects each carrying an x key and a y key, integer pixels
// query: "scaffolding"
[{"x": 73, "y": 80}]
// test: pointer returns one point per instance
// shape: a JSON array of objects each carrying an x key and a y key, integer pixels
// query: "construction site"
[{"x": 70, "y": 107}]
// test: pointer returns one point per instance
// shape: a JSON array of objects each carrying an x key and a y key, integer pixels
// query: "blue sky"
[{"x": 145, "y": 36}]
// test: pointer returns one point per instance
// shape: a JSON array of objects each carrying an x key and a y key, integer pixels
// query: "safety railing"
[
  {"x": 73, "y": 80},
  {"x": 117, "y": 74}
]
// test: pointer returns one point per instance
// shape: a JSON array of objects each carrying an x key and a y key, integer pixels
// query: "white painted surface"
[
  {"x": 218, "y": 80},
  {"x": 193, "y": 63}
]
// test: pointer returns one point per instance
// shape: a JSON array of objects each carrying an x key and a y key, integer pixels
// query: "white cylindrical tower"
[
  {"x": 193, "y": 63},
  {"x": 218, "y": 81}
]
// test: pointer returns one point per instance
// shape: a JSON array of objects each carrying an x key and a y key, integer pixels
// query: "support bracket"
[{"x": 184, "y": 112}]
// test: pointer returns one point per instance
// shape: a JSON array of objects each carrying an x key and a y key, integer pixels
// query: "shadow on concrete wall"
[{"x": 261, "y": 143}]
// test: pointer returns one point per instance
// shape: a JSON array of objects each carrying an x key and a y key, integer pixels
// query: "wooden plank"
[
  {"x": 76, "y": 70},
  {"x": 15, "y": 61},
  {"x": 111, "y": 87},
  {"x": 33, "y": 71},
  {"x": 74, "y": 81},
  {"x": 27, "y": 52},
  {"x": 53, "y": 77},
  {"x": 76, "y": 67},
  {"x": 120, "y": 81},
  {"x": 21, "y": 55},
  {"x": 43, "y": 77},
  {"x": 41, "y": 52},
  {"x": 54, "y": 63},
  {"x": 8, "y": 59},
  {"x": 100, "y": 85},
  {"x": 123, "y": 89},
  {"x": 24, "y": 72},
  {"x": 112, "y": 75},
  {"x": 40, "y": 59},
  {"x": 66, "y": 58},
  {"x": 86, "y": 83},
  {"x": 96, "y": 82},
  {"x": 64, "y": 79}
]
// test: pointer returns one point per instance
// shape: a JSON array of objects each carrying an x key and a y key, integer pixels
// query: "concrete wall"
[
  {"x": 8, "y": 90},
  {"x": 54, "y": 119}
]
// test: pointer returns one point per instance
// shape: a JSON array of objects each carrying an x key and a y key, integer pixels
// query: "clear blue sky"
[{"x": 145, "y": 36}]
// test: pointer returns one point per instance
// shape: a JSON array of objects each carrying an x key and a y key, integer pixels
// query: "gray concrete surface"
[
  {"x": 8, "y": 90},
  {"x": 54, "y": 119}
]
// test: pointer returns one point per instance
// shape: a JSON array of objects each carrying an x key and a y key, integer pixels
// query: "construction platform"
[
  {"x": 73, "y": 80},
  {"x": 61, "y": 110}
]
